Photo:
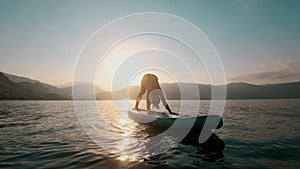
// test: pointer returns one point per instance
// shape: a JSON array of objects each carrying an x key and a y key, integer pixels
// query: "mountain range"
[{"x": 14, "y": 87}]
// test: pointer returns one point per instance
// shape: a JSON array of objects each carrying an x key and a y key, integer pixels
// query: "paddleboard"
[{"x": 162, "y": 119}]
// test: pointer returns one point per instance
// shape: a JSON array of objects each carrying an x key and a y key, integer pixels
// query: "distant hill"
[
  {"x": 84, "y": 91},
  {"x": 21, "y": 88},
  {"x": 18, "y": 79},
  {"x": 25, "y": 90},
  {"x": 273, "y": 91},
  {"x": 234, "y": 91}
]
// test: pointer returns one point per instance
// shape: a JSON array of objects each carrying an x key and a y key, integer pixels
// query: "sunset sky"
[{"x": 257, "y": 41}]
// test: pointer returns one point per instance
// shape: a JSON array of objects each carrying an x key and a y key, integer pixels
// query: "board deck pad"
[{"x": 158, "y": 114}]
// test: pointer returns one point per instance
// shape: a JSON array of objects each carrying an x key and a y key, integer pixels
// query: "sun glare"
[{"x": 126, "y": 63}]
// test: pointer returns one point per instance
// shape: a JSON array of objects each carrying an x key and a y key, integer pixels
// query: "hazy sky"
[{"x": 258, "y": 40}]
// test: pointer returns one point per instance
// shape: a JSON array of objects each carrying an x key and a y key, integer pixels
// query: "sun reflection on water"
[
  {"x": 123, "y": 158},
  {"x": 125, "y": 144}
]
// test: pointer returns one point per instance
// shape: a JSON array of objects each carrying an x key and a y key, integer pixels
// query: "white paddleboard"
[{"x": 163, "y": 119}]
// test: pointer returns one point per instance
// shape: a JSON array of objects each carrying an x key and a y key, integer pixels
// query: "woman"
[{"x": 154, "y": 93}]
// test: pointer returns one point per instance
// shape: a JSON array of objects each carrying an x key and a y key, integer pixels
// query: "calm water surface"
[{"x": 47, "y": 134}]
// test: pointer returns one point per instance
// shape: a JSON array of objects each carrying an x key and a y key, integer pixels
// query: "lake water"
[{"x": 47, "y": 134}]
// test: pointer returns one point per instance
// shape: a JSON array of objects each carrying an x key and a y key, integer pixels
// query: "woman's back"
[{"x": 150, "y": 82}]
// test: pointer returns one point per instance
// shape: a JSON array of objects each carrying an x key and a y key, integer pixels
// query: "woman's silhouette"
[{"x": 150, "y": 84}]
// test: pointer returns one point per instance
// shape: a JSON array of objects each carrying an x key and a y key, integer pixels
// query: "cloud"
[{"x": 277, "y": 72}]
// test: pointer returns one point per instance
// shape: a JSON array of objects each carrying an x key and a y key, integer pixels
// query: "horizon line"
[{"x": 72, "y": 82}]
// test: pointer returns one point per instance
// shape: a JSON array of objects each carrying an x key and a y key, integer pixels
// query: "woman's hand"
[{"x": 174, "y": 113}]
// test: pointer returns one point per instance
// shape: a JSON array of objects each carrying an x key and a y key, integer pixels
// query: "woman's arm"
[
  {"x": 139, "y": 97},
  {"x": 161, "y": 94}
]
